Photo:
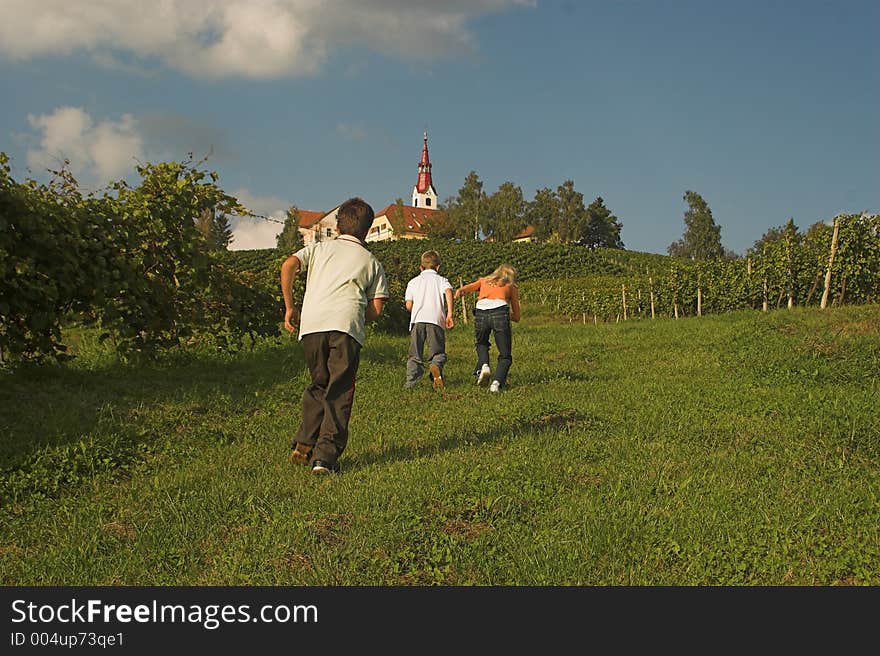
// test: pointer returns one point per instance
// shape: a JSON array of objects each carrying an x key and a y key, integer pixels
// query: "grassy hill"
[{"x": 739, "y": 449}]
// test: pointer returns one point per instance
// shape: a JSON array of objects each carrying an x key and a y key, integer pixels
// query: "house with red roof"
[
  {"x": 525, "y": 235},
  {"x": 311, "y": 227}
]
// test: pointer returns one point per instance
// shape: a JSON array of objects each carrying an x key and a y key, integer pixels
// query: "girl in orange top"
[{"x": 497, "y": 305}]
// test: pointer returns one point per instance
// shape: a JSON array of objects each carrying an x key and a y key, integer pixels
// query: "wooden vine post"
[
  {"x": 651, "y": 286},
  {"x": 623, "y": 294},
  {"x": 790, "y": 270},
  {"x": 749, "y": 280},
  {"x": 699, "y": 295},
  {"x": 834, "y": 237},
  {"x": 765, "y": 302}
]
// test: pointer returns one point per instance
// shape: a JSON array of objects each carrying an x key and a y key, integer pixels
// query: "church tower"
[{"x": 424, "y": 194}]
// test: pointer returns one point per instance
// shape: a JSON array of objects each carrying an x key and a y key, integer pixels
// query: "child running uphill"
[
  {"x": 497, "y": 305},
  {"x": 345, "y": 286},
  {"x": 428, "y": 298}
]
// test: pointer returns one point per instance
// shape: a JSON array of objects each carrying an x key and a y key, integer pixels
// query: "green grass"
[{"x": 741, "y": 449}]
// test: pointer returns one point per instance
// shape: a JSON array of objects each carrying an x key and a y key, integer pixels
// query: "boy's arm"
[
  {"x": 408, "y": 298},
  {"x": 450, "y": 322},
  {"x": 374, "y": 308},
  {"x": 289, "y": 270}
]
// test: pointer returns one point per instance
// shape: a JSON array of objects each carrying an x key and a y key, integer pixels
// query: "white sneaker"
[
  {"x": 483, "y": 376},
  {"x": 495, "y": 386}
]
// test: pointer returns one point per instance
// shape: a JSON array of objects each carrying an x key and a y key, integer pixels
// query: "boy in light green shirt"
[{"x": 345, "y": 287}]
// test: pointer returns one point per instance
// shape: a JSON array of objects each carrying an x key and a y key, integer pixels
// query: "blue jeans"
[{"x": 494, "y": 323}]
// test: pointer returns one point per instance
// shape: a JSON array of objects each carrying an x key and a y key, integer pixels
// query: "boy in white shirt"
[{"x": 428, "y": 298}]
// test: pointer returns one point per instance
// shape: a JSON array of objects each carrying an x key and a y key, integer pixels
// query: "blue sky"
[{"x": 768, "y": 109}]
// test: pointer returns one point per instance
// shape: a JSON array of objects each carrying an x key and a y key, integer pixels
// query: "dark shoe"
[
  {"x": 322, "y": 467},
  {"x": 300, "y": 454},
  {"x": 436, "y": 376}
]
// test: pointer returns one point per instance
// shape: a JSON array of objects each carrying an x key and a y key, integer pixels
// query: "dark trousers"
[
  {"x": 422, "y": 336},
  {"x": 332, "y": 358},
  {"x": 494, "y": 322}
]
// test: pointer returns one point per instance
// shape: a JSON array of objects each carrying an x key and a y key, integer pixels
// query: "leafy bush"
[{"x": 130, "y": 261}]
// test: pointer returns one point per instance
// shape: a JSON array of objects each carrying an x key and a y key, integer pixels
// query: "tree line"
[{"x": 554, "y": 215}]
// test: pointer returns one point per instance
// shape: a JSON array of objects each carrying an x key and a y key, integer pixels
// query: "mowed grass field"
[{"x": 741, "y": 449}]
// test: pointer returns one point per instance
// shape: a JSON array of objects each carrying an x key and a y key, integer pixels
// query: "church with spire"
[{"x": 396, "y": 221}]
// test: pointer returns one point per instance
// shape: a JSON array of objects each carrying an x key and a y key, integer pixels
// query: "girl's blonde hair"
[{"x": 503, "y": 275}]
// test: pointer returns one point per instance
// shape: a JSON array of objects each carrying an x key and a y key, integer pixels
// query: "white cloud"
[
  {"x": 251, "y": 232},
  {"x": 100, "y": 152},
  {"x": 249, "y": 38}
]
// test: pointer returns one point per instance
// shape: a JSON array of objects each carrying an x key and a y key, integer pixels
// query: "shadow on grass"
[
  {"x": 57, "y": 405},
  {"x": 64, "y": 424},
  {"x": 384, "y": 353},
  {"x": 546, "y": 419},
  {"x": 562, "y": 375}
]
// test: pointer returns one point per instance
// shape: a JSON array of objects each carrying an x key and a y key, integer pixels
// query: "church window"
[{"x": 428, "y": 202}]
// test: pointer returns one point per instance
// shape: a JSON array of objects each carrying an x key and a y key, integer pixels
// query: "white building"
[{"x": 317, "y": 226}]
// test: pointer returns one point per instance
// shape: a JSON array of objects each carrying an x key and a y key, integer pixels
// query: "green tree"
[
  {"x": 505, "y": 212},
  {"x": 770, "y": 236},
  {"x": 289, "y": 240},
  {"x": 541, "y": 213},
  {"x": 572, "y": 215},
  {"x": 702, "y": 236},
  {"x": 465, "y": 212},
  {"x": 602, "y": 227},
  {"x": 221, "y": 231},
  {"x": 398, "y": 218},
  {"x": 440, "y": 225},
  {"x": 214, "y": 228}
]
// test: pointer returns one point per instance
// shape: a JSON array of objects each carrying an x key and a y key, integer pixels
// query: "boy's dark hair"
[{"x": 355, "y": 216}]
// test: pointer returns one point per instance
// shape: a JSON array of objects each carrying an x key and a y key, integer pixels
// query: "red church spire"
[{"x": 424, "y": 182}]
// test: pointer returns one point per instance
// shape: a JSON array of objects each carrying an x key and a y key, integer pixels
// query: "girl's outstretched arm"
[{"x": 472, "y": 287}]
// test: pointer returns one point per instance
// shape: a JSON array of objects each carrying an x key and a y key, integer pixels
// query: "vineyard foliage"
[
  {"x": 577, "y": 282},
  {"x": 132, "y": 262}
]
